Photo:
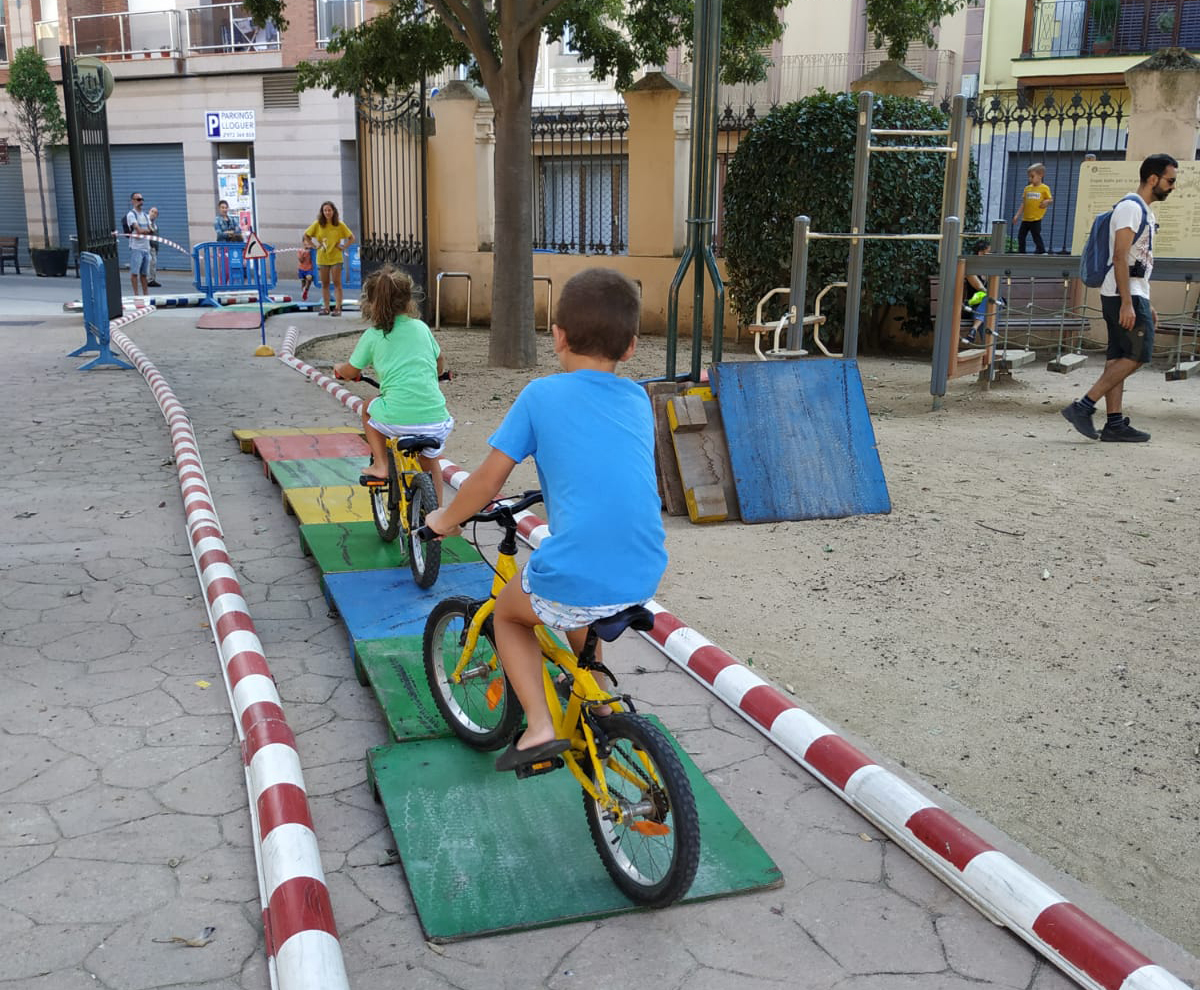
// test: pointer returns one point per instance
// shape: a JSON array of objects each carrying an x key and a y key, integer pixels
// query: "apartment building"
[{"x": 180, "y": 70}]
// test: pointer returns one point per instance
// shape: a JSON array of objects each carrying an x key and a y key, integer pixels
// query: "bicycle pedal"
[
  {"x": 539, "y": 768},
  {"x": 369, "y": 482}
]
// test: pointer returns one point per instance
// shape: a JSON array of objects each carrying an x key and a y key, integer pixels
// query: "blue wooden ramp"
[{"x": 800, "y": 439}]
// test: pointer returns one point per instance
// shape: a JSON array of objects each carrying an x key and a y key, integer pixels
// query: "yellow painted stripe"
[{"x": 328, "y": 504}]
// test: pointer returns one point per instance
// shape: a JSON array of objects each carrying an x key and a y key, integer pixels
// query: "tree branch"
[
  {"x": 539, "y": 15},
  {"x": 467, "y": 22}
]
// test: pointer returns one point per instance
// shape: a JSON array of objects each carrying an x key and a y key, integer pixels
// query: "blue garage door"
[
  {"x": 13, "y": 222},
  {"x": 154, "y": 170}
]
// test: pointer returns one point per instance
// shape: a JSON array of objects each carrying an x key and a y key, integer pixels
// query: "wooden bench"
[{"x": 9, "y": 253}]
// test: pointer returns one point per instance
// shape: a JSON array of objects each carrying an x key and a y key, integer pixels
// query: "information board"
[{"x": 1102, "y": 184}]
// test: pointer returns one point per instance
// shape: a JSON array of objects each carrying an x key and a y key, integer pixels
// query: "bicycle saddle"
[
  {"x": 635, "y": 617},
  {"x": 416, "y": 444}
]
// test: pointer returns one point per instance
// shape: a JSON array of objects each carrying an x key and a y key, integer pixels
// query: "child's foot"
[
  {"x": 369, "y": 479},
  {"x": 516, "y": 756},
  {"x": 304, "y": 293}
]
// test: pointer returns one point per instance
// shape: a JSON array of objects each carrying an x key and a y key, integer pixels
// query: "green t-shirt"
[{"x": 405, "y": 361}]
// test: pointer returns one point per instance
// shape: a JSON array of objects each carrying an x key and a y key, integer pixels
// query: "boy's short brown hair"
[
  {"x": 1037, "y": 167},
  {"x": 598, "y": 313}
]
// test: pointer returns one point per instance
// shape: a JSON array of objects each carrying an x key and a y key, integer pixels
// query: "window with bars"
[{"x": 581, "y": 180}]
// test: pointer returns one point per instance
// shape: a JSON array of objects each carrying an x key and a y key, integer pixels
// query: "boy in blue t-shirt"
[{"x": 591, "y": 435}]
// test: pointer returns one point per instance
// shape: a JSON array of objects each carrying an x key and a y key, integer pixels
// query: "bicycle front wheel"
[
  {"x": 652, "y": 847},
  {"x": 385, "y": 504},
  {"x": 424, "y": 556},
  {"x": 481, "y": 709}
]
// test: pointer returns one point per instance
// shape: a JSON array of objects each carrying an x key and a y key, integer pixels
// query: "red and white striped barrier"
[
  {"x": 303, "y": 952},
  {"x": 1002, "y": 890}
]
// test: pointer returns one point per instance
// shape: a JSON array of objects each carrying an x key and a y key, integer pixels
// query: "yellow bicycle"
[
  {"x": 404, "y": 500},
  {"x": 639, "y": 804}
]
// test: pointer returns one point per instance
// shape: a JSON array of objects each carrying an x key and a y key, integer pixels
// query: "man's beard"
[{"x": 1161, "y": 194}]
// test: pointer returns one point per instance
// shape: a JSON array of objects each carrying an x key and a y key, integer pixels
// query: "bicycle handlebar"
[{"x": 503, "y": 513}]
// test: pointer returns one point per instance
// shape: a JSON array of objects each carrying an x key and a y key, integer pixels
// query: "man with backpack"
[
  {"x": 137, "y": 225},
  {"x": 1124, "y": 298}
]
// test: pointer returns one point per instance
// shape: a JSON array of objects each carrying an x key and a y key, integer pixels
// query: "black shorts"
[{"x": 1136, "y": 344}]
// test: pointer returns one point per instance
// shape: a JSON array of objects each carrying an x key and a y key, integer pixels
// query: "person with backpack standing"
[
  {"x": 137, "y": 225},
  {"x": 1124, "y": 298}
]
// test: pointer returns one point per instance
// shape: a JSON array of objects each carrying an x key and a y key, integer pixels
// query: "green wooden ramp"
[
  {"x": 486, "y": 853},
  {"x": 356, "y": 546}
]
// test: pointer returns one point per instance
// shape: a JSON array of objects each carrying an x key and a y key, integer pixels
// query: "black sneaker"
[
  {"x": 1081, "y": 419},
  {"x": 1122, "y": 432}
]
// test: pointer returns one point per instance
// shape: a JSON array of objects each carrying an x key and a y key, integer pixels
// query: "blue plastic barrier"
[
  {"x": 352, "y": 270},
  {"x": 220, "y": 267},
  {"x": 95, "y": 314}
]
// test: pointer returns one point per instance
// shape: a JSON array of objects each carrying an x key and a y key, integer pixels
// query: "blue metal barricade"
[
  {"x": 220, "y": 267},
  {"x": 95, "y": 314},
  {"x": 352, "y": 270}
]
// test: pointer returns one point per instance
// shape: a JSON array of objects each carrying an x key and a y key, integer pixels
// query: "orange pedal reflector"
[
  {"x": 649, "y": 828},
  {"x": 495, "y": 691}
]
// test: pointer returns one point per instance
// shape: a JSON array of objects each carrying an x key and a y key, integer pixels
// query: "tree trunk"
[
  {"x": 513, "y": 342},
  {"x": 37, "y": 164}
]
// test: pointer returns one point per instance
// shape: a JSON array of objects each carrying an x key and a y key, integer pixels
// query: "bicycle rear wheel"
[
  {"x": 652, "y": 852},
  {"x": 482, "y": 710},
  {"x": 385, "y": 504},
  {"x": 424, "y": 556}
]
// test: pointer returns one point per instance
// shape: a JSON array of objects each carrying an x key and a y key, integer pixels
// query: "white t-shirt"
[
  {"x": 136, "y": 218},
  {"x": 1128, "y": 213}
]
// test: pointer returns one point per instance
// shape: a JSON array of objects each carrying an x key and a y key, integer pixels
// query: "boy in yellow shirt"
[{"x": 1035, "y": 200}]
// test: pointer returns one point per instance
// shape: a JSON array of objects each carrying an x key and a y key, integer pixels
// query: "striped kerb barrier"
[
  {"x": 1001, "y": 889},
  {"x": 303, "y": 952}
]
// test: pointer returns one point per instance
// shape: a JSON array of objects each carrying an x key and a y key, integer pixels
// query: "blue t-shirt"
[{"x": 591, "y": 435}]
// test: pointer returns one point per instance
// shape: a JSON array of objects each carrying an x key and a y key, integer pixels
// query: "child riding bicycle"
[
  {"x": 591, "y": 435},
  {"x": 408, "y": 361}
]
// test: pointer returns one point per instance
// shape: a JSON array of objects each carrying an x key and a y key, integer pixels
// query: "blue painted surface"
[
  {"x": 800, "y": 439},
  {"x": 218, "y": 267},
  {"x": 384, "y": 604}
]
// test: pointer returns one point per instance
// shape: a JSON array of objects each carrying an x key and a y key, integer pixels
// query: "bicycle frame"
[{"x": 569, "y": 722}]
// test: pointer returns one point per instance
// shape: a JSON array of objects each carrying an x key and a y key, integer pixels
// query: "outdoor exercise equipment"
[{"x": 1182, "y": 369}]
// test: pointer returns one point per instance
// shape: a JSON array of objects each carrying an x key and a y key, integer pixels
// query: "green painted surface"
[
  {"x": 485, "y": 853},
  {"x": 356, "y": 546},
  {"x": 317, "y": 471},
  {"x": 397, "y": 675}
]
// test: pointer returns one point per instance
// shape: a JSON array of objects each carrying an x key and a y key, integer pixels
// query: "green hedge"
[{"x": 799, "y": 159}]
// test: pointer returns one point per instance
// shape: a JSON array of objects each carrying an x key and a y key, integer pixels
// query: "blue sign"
[{"x": 212, "y": 125}]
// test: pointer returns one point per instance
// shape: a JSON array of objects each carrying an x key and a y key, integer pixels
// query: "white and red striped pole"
[
  {"x": 303, "y": 952},
  {"x": 1001, "y": 889}
]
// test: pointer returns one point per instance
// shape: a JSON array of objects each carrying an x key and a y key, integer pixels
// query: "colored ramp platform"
[
  {"x": 315, "y": 472},
  {"x": 298, "y": 446},
  {"x": 246, "y": 437},
  {"x": 356, "y": 546},
  {"x": 800, "y": 439},
  {"x": 486, "y": 853},
  {"x": 395, "y": 671},
  {"x": 328, "y": 504},
  {"x": 387, "y": 604}
]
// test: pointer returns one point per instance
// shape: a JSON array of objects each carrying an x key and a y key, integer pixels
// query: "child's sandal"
[{"x": 336, "y": 312}]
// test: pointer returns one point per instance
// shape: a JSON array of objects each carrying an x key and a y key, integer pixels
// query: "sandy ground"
[{"x": 1019, "y": 631}]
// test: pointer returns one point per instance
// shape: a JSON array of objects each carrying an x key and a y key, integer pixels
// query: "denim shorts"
[
  {"x": 556, "y": 615},
  {"x": 139, "y": 262},
  {"x": 1136, "y": 344}
]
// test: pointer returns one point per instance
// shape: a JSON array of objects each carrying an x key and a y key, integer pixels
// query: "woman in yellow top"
[{"x": 329, "y": 236}]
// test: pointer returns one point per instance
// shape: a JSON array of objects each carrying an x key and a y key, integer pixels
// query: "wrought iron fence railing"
[{"x": 581, "y": 180}]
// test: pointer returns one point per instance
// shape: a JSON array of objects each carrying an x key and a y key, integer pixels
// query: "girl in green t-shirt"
[{"x": 408, "y": 362}]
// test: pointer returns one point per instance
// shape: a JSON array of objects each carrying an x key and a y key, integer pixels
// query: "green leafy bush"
[{"x": 799, "y": 159}]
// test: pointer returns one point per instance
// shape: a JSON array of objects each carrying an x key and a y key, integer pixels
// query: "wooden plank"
[
  {"x": 328, "y": 504},
  {"x": 800, "y": 439},
  {"x": 1009, "y": 358},
  {"x": 299, "y": 447},
  {"x": 698, "y": 437},
  {"x": 245, "y": 437},
  {"x": 1182, "y": 371},
  {"x": 670, "y": 487},
  {"x": 1066, "y": 363}
]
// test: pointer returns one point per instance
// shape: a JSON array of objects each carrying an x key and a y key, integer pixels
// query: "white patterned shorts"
[
  {"x": 556, "y": 615},
  {"x": 439, "y": 431}
]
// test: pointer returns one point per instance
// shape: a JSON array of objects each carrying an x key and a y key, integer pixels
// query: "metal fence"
[
  {"x": 581, "y": 180},
  {"x": 1011, "y": 133}
]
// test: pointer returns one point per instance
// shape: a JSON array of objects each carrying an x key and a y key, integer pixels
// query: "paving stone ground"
[{"x": 123, "y": 819}]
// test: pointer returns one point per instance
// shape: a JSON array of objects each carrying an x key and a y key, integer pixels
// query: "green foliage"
[
  {"x": 901, "y": 22},
  {"x": 38, "y": 121},
  {"x": 799, "y": 159}
]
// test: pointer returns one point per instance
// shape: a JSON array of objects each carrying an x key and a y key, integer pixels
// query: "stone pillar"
[
  {"x": 1165, "y": 112},
  {"x": 655, "y": 208},
  {"x": 460, "y": 169}
]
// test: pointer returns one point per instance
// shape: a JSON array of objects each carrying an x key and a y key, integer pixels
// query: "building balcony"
[{"x": 1057, "y": 29}]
